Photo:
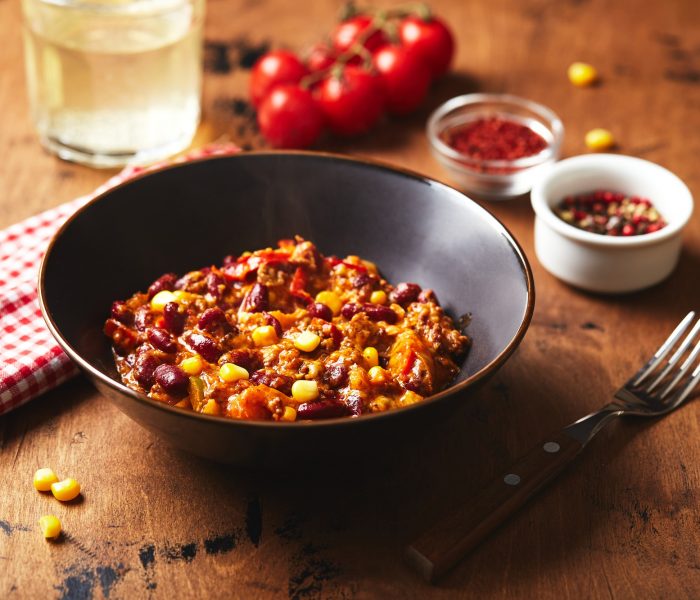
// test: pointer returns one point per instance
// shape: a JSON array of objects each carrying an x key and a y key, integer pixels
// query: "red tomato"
[
  {"x": 347, "y": 33},
  {"x": 431, "y": 39},
  {"x": 290, "y": 118},
  {"x": 351, "y": 102},
  {"x": 406, "y": 78},
  {"x": 274, "y": 68},
  {"x": 320, "y": 57}
]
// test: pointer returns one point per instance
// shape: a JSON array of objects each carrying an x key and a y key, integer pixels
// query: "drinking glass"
[{"x": 114, "y": 82}]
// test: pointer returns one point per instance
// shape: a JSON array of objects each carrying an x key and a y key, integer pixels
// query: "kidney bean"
[
  {"x": 172, "y": 379},
  {"x": 164, "y": 282},
  {"x": 122, "y": 313},
  {"x": 143, "y": 318},
  {"x": 405, "y": 293},
  {"x": 174, "y": 318},
  {"x": 428, "y": 296},
  {"x": 257, "y": 299},
  {"x": 336, "y": 375},
  {"x": 336, "y": 335},
  {"x": 210, "y": 318},
  {"x": 377, "y": 312},
  {"x": 322, "y": 409},
  {"x": 268, "y": 377},
  {"x": 161, "y": 339},
  {"x": 272, "y": 320},
  {"x": 214, "y": 283},
  {"x": 242, "y": 358},
  {"x": 354, "y": 403},
  {"x": 320, "y": 311},
  {"x": 146, "y": 365},
  {"x": 207, "y": 348},
  {"x": 361, "y": 280},
  {"x": 350, "y": 310}
]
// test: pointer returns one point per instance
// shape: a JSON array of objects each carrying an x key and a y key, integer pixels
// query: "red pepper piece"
[
  {"x": 334, "y": 261},
  {"x": 410, "y": 361},
  {"x": 245, "y": 265},
  {"x": 298, "y": 286}
]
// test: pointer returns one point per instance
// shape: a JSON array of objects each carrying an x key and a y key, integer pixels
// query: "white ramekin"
[{"x": 602, "y": 263}]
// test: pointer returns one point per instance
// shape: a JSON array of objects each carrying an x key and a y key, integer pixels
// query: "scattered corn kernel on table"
[{"x": 622, "y": 523}]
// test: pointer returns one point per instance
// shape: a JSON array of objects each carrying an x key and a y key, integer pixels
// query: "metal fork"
[{"x": 651, "y": 392}]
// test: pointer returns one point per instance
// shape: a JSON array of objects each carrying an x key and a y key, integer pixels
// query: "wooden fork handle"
[{"x": 444, "y": 544}]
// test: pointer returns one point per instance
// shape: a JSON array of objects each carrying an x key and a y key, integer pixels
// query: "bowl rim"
[
  {"x": 459, "y": 160},
  {"x": 607, "y": 163},
  {"x": 118, "y": 386}
]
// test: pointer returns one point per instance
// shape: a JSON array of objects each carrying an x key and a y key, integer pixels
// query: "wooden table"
[{"x": 623, "y": 522}]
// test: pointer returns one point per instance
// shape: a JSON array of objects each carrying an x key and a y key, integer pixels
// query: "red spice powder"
[{"x": 494, "y": 138}]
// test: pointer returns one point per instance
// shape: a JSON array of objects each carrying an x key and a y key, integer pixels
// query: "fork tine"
[
  {"x": 683, "y": 394},
  {"x": 676, "y": 355},
  {"x": 682, "y": 370},
  {"x": 665, "y": 348}
]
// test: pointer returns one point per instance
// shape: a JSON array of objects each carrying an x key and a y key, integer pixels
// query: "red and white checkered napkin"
[{"x": 31, "y": 361}]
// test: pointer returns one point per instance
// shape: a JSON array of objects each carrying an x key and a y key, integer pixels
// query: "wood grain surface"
[{"x": 622, "y": 522}]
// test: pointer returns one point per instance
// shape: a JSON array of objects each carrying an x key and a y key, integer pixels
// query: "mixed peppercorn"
[{"x": 610, "y": 213}]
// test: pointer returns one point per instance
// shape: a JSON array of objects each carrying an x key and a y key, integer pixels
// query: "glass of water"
[{"x": 114, "y": 82}]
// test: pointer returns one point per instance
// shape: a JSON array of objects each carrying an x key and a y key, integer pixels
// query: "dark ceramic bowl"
[{"x": 187, "y": 216}]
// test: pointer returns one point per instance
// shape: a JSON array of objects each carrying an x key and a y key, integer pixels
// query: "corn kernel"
[
  {"x": 230, "y": 372},
  {"x": 183, "y": 296},
  {"x": 192, "y": 365},
  {"x": 380, "y": 403},
  {"x": 370, "y": 266},
  {"x": 409, "y": 397},
  {"x": 371, "y": 355},
  {"x": 290, "y": 414},
  {"x": 304, "y": 391},
  {"x": 378, "y": 297},
  {"x": 50, "y": 526},
  {"x": 582, "y": 74},
  {"x": 184, "y": 404},
  {"x": 599, "y": 139},
  {"x": 307, "y": 341},
  {"x": 265, "y": 335},
  {"x": 377, "y": 375},
  {"x": 159, "y": 301},
  {"x": 65, "y": 490},
  {"x": 43, "y": 479},
  {"x": 331, "y": 300},
  {"x": 211, "y": 408}
]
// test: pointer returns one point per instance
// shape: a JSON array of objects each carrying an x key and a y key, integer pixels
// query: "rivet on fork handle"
[{"x": 442, "y": 546}]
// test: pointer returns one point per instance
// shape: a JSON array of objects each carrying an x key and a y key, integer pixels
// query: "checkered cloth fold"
[{"x": 31, "y": 361}]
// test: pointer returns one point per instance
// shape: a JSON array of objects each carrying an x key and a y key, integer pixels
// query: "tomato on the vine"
[
  {"x": 289, "y": 117},
  {"x": 272, "y": 69},
  {"x": 320, "y": 57},
  {"x": 406, "y": 78},
  {"x": 430, "y": 39},
  {"x": 348, "y": 32},
  {"x": 352, "y": 101}
]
